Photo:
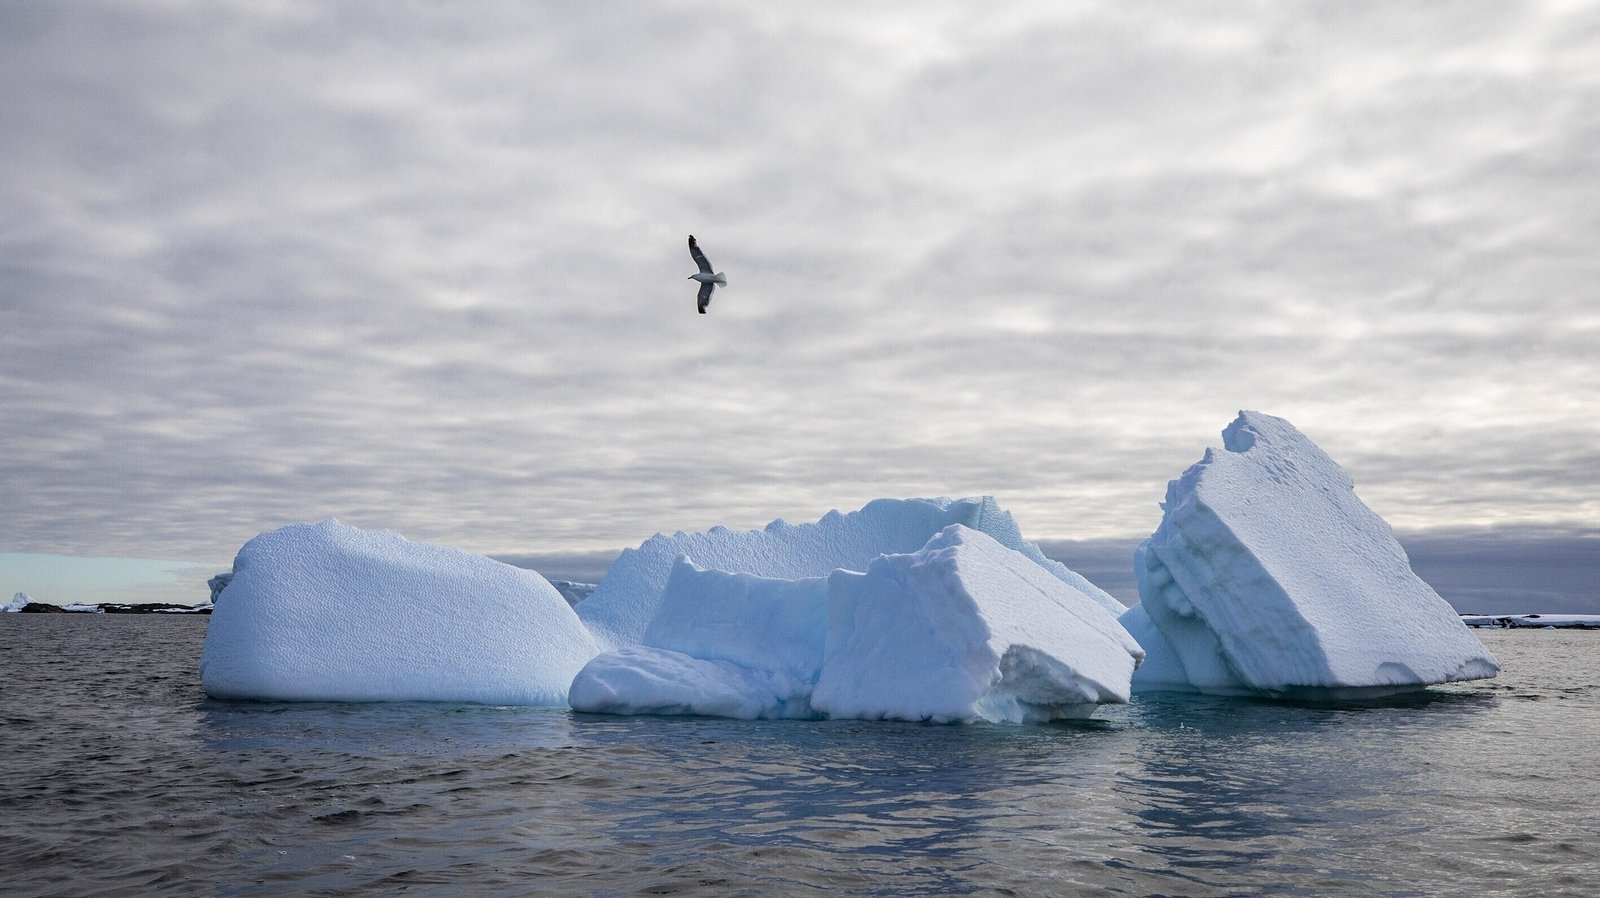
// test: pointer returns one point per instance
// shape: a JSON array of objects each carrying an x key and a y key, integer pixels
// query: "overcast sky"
[{"x": 422, "y": 267}]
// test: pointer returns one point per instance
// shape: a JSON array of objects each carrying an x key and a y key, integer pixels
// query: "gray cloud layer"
[{"x": 422, "y": 267}]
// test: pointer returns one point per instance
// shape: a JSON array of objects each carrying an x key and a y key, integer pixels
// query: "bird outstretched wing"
[
  {"x": 699, "y": 258},
  {"x": 705, "y": 295}
]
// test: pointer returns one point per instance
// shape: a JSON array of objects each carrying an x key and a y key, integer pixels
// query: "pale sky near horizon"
[{"x": 422, "y": 267}]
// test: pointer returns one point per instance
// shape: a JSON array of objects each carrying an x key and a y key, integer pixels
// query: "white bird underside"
[{"x": 709, "y": 280}]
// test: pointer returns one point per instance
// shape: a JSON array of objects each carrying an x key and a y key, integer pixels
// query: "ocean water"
[{"x": 120, "y": 777}]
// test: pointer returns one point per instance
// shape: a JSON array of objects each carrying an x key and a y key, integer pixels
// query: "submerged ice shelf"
[{"x": 1267, "y": 576}]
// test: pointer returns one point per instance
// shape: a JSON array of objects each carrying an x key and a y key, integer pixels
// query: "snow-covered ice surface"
[
  {"x": 17, "y": 603},
  {"x": 961, "y": 629},
  {"x": 1267, "y": 575},
  {"x": 625, "y": 601},
  {"x": 326, "y": 612}
]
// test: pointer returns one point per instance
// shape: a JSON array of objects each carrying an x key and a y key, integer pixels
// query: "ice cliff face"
[{"x": 1268, "y": 575}]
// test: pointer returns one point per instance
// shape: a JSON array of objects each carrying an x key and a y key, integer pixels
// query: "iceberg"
[
  {"x": 18, "y": 602},
  {"x": 626, "y": 600},
  {"x": 326, "y": 612},
  {"x": 1268, "y": 576},
  {"x": 571, "y": 591},
  {"x": 961, "y": 629}
]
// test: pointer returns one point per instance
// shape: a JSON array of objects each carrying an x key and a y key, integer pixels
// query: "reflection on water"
[{"x": 126, "y": 778}]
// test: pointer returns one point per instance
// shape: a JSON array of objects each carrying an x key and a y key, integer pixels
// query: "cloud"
[{"x": 423, "y": 268}]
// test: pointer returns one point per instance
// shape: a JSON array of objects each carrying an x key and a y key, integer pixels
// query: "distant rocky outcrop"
[
  {"x": 154, "y": 608},
  {"x": 24, "y": 604},
  {"x": 1533, "y": 621}
]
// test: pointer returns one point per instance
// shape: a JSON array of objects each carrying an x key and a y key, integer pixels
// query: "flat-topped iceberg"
[
  {"x": 625, "y": 602},
  {"x": 326, "y": 612},
  {"x": 961, "y": 629},
  {"x": 1267, "y": 575}
]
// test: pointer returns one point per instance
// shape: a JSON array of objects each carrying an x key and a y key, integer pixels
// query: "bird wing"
[
  {"x": 705, "y": 295},
  {"x": 699, "y": 257}
]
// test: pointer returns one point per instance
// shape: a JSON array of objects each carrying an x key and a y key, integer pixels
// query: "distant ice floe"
[
  {"x": 963, "y": 629},
  {"x": 218, "y": 583},
  {"x": 1533, "y": 621},
  {"x": 573, "y": 592},
  {"x": 325, "y": 612},
  {"x": 1269, "y": 576}
]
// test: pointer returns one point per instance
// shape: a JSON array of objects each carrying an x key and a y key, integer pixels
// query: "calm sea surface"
[{"x": 118, "y": 776}]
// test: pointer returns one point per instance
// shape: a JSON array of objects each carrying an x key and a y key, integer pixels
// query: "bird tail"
[{"x": 721, "y": 279}]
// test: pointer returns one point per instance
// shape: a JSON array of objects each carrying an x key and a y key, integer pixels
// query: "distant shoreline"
[
  {"x": 112, "y": 608},
  {"x": 1533, "y": 621}
]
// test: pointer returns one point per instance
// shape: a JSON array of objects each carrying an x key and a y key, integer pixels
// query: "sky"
[{"x": 422, "y": 267}]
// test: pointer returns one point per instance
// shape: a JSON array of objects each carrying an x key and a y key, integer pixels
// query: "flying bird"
[{"x": 708, "y": 280}]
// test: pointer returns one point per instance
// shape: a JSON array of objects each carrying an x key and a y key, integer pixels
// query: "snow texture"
[
  {"x": 962, "y": 629},
  {"x": 326, "y": 612},
  {"x": 626, "y": 600},
  {"x": 1267, "y": 575}
]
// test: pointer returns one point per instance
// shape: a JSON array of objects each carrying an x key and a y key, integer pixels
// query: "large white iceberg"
[
  {"x": 625, "y": 602},
  {"x": 1267, "y": 575},
  {"x": 962, "y": 629},
  {"x": 326, "y": 612},
  {"x": 18, "y": 602}
]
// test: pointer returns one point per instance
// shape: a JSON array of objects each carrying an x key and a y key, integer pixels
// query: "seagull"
[{"x": 708, "y": 280}]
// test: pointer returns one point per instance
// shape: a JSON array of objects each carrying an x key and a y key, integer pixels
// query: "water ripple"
[{"x": 122, "y": 778}]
